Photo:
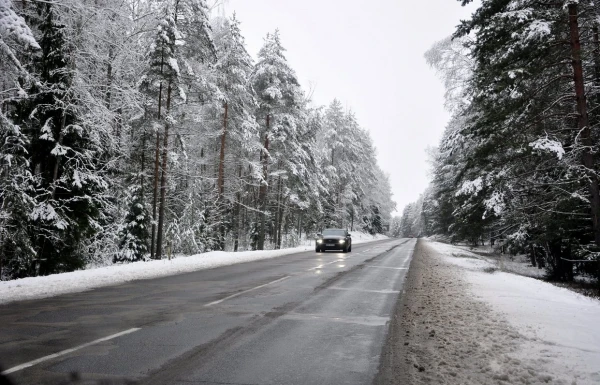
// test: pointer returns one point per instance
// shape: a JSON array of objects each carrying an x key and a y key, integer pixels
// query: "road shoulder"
[{"x": 441, "y": 332}]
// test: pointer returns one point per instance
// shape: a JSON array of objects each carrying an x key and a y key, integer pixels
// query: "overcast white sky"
[{"x": 369, "y": 55}]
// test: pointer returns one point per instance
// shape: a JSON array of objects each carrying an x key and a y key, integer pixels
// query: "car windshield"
[{"x": 330, "y": 232}]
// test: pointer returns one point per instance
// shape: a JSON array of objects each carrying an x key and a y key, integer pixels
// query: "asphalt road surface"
[{"x": 305, "y": 318}]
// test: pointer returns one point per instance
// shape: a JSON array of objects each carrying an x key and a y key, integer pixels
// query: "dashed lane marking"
[
  {"x": 247, "y": 291},
  {"x": 51, "y": 356}
]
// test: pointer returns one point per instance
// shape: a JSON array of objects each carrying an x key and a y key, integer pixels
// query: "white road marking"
[
  {"x": 386, "y": 267},
  {"x": 51, "y": 356},
  {"x": 246, "y": 291}
]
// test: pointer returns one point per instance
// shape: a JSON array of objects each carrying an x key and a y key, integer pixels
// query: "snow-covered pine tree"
[
  {"x": 280, "y": 99},
  {"x": 333, "y": 139},
  {"x": 159, "y": 82},
  {"x": 516, "y": 162},
  {"x": 66, "y": 156},
  {"x": 133, "y": 245},
  {"x": 236, "y": 106},
  {"x": 17, "y": 184},
  {"x": 190, "y": 213},
  {"x": 521, "y": 107},
  {"x": 82, "y": 186}
]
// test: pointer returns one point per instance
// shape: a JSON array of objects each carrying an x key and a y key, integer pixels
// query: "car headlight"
[
  {"x": 342, "y": 241},
  {"x": 319, "y": 241}
]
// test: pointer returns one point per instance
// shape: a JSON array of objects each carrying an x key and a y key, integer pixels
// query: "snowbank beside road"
[
  {"x": 518, "y": 264},
  {"x": 558, "y": 329},
  {"x": 82, "y": 280}
]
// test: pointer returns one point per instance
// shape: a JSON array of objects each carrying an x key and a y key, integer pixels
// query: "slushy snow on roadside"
[
  {"x": 559, "y": 327},
  {"x": 82, "y": 280}
]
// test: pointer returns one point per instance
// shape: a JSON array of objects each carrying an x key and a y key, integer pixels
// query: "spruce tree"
[
  {"x": 133, "y": 245},
  {"x": 64, "y": 154},
  {"x": 17, "y": 184}
]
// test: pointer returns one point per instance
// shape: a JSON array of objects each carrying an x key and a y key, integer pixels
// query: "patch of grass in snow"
[
  {"x": 460, "y": 255},
  {"x": 520, "y": 265},
  {"x": 587, "y": 288}
]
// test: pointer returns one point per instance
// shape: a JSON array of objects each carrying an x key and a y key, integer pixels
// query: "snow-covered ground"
[
  {"x": 77, "y": 281},
  {"x": 557, "y": 329},
  {"x": 518, "y": 264}
]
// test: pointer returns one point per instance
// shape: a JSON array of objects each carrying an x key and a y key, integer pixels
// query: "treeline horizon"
[{"x": 130, "y": 129}]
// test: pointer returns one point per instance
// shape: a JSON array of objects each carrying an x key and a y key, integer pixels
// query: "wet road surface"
[{"x": 305, "y": 318}]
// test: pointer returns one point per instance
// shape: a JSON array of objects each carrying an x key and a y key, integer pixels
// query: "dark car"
[{"x": 334, "y": 239}]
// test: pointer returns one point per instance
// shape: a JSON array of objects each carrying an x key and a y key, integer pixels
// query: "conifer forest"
[
  {"x": 133, "y": 129},
  {"x": 518, "y": 164}
]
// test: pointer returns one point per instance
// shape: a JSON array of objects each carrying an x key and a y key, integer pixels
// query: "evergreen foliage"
[
  {"x": 129, "y": 130},
  {"x": 516, "y": 166}
]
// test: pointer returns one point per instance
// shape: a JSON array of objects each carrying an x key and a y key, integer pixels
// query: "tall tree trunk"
[
  {"x": 243, "y": 229},
  {"x": 288, "y": 221},
  {"x": 1, "y": 253},
  {"x": 236, "y": 226},
  {"x": 4, "y": 105},
  {"x": 338, "y": 205},
  {"x": 221, "y": 181},
  {"x": 155, "y": 184},
  {"x": 163, "y": 178},
  {"x": 277, "y": 222},
  {"x": 237, "y": 212},
  {"x": 143, "y": 167},
  {"x": 262, "y": 193},
  {"x": 155, "y": 194},
  {"x": 163, "y": 182},
  {"x": 583, "y": 121},
  {"x": 109, "y": 77},
  {"x": 596, "y": 52},
  {"x": 142, "y": 179},
  {"x": 280, "y": 222}
]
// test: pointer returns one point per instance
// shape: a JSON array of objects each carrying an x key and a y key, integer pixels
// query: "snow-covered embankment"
[
  {"x": 82, "y": 280},
  {"x": 558, "y": 328}
]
